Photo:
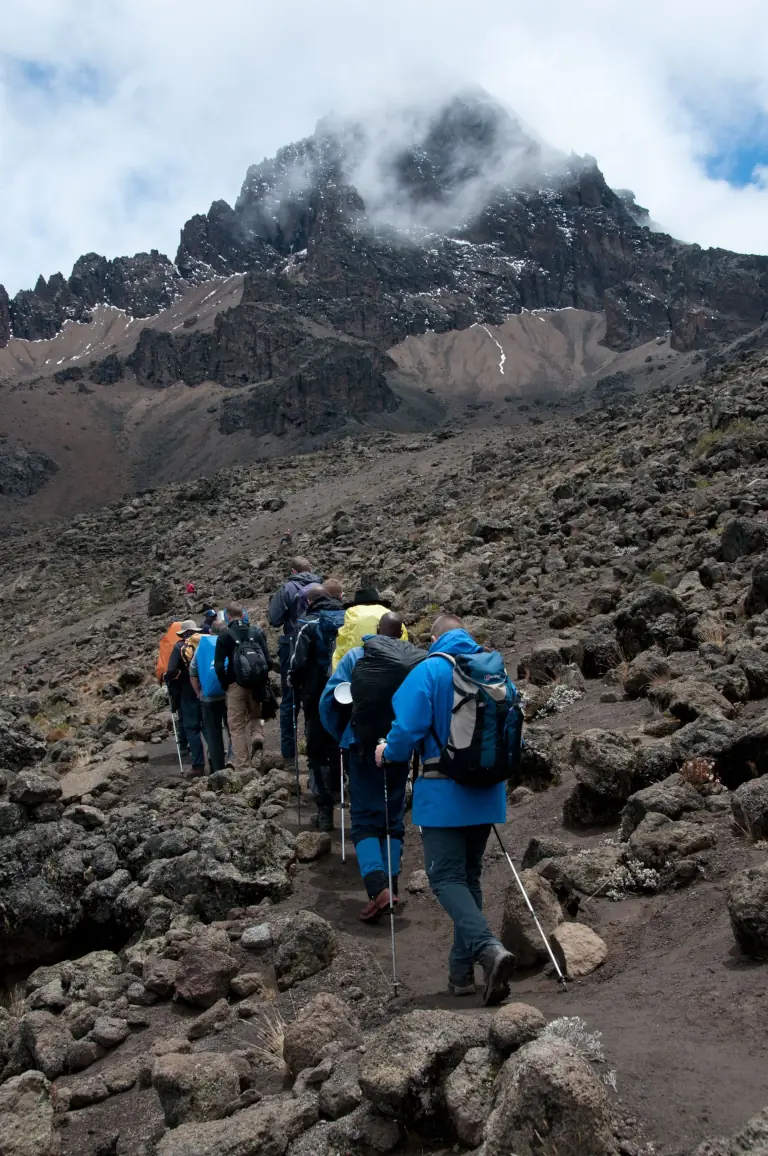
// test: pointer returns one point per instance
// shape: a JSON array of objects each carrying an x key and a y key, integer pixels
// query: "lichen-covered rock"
[
  {"x": 325, "y": 1020},
  {"x": 513, "y": 1025},
  {"x": 267, "y": 1129},
  {"x": 194, "y": 1087},
  {"x": 26, "y": 1117},
  {"x": 658, "y": 839},
  {"x": 749, "y": 804},
  {"x": 469, "y": 1095},
  {"x": 307, "y": 945},
  {"x": 748, "y": 910},
  {"x": 519, "y": 933}
]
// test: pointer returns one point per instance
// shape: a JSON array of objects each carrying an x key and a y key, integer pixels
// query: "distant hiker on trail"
[
  {"x": 455, "y": 818},
  {"x": 182, "y": 693},
  {"x": 374, "y": 670},
  {"x": 362, "y": 618},
  {"x": 287, "y": 538},
  {"x": 283, "y": 611},
  {"x": 309, "y": 672},
  {"x": 212, "y": 696},
  {"x": 242, "y": 663}
]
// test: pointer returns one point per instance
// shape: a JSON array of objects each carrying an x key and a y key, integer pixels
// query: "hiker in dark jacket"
[
  {"x": 183, "y": 695},
  {"x": 366, "y": 789},
  {"x": 243, "y": 703},
  {"x": 309, "y": 672},
  {"x": 455, "y": 819},
  {"x": 283, "y": 611}
]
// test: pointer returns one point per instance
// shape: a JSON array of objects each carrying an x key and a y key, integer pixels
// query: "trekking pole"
[
  {"x": 176, "y": 740},
  {"x": 343, "y": 844},
  {"x": 296, "y": 760},
  {"x": 395, "y": 980},
  {"x": 518, "y": 880}
]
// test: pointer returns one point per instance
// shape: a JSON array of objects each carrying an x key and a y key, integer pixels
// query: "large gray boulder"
[
  {"x": 307, "y": 945},
  {"x": 673, "y": 797},
  {"x": 263, "y": 1130},
  {"x": 519, "y": 933},
  {"x": 548, "y": 1094},
  {"x": 194, "y": 1087},
  {"x": 603, "y": 762},
  {"x": 657, "y": 840},
  {"x": 26, "y": 1117},
  {"x": 748, "y": 910},
  {"x": 403, "y": 1069},
  {"x": 469, "y": 1095},
  {"x": 325, "y": 1020},
  {"x": 749, "y": 804},
  {"x": 651, "y": 616},
  {"x": 751, "y": 1140}
]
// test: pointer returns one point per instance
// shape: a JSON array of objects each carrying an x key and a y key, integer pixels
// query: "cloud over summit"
[{"x": 119, "y": 121}]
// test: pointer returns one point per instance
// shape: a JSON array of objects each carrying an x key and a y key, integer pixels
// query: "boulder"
[
  {"x": 649, "y": 616},
  {"x": 586, "y": 871},
  {"x": 194, "y": 1087},
  {"x": 212, "y": 1019},
  {"x": 658, "y": 839},
  {"x": 405, "y": 1061},
  {"x": 756, "y": 600},
  {"x": 257, "y": 937},
  {"x": 687, "y": 698},
  {"x": 544, "y": 662},
  {"x": 26, "y": 1117},
  {"x": 47, "y": 1040},
  {"x": 307, "y": 945},
  {"x": 751, "y": 1140},
  {"x": 748, "y": 910},
  {"x": 204, "y": 975},
  {"x": 644, "y": 670},
  {"x": 673, "y": 797},
  {"x": 604, "y": 762},
  {"x": 518, "y": 930},
  {"x": 742, "y": 536},
  {"x": 21, "y": 744},
  {"x": 513, "y": 1025},
  {"x": 469, "y": 1095},
  {"x": 754, "y": 662},
  {"x": 749, "y": 805},
  {"x": 265, "y": 1129},
  {"x": 544, "y": 847},
  {"x": 547, "y": 1093},
  {"x": 324, "y": 1020},
  {"x": 311, "y": 845},
  {"x": 109, "y": 1031},
  {"x": 578, "y": 949},
  {"x": 159, "y": 975},
  {"x": 341, "y": 1093},
  {"x": 31, "y": 787}
]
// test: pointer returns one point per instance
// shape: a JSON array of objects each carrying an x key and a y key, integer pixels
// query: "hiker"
[
  {"x": 371, "y": 717},
  {"x": 242, "y": 663},
  {"x": 167, "y": 643},
  {"x": 283, "y": 611},
  {"x": 209, "y": 617},
  {"x": 361, "y": 618},
  {"x": 455, "y": 819},
  {"x": 183, "y": 695},
  {"x": 309, "y": 672},
  {"x": 213, "y": 699}
]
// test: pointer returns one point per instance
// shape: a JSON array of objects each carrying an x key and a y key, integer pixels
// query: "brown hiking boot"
[{"x": 375, "y": 908}]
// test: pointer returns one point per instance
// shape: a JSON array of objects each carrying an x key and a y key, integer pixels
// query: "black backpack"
[
  {"x": 249, "y": 664},
  {"x": 384, "y": 665}
]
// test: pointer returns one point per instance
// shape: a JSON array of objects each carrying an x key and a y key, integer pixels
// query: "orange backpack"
[{"x": 167, "y": 643}]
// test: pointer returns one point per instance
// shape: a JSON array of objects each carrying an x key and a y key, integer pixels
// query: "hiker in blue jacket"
[
  {"x": 284, "y": 608},
  {"x": 366, "y": 790},
  {"x": 455, "y": 819}
]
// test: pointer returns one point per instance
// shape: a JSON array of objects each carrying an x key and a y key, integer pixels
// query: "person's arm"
[
  {"x": 334, "y": 717},
  {"x": 278, "y": 608},
  {"x": 412, "y": 704},
  {"x": 193, "y": 676},
  {"x": 173, "y": 672},
  {"x": 301, "y": 654}
]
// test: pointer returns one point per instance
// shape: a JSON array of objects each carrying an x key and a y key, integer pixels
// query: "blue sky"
[{"x": 119, "y": 121}]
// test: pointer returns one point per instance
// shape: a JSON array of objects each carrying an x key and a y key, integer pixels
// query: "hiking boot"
[
  {"x": 498, "y": 965},
  {"x": 376, "y": 907},
  {"x": 195, "y": 773},
  {"x": 324, "y": 820},
  {"x": 463, "y": 986}
]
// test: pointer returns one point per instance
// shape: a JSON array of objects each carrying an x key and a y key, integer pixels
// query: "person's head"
[
  {"x": 187, "y": 628},
  {"x": 367, "y": 596},
  {"x": 390, "y": 625},
  {"x": 314, "y": 592},
  {"x": 233, "y": 613},
  {"x": 334, "y": 588},
  {"x": 209, "y": 616},
  {"x": 443, "y": 623},
  {"x": 217, "y": 626},
  {"x": 300, "y": 565}
]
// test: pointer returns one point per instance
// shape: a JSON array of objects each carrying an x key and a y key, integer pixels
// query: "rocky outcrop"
[
  {"x": 22, "y": 471},
  {"x": 5, "y": 317}
]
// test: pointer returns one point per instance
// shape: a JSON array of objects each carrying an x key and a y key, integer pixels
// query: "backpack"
[
  {"x": 167, "y": 643},
  {"x": 206, "y": 672},
  {"x": 249, "y": 664},
  {"x": 188, "y": 648},
  {"x": 378, "y": 673},
  {"x": 486, "y": 736},
  {"x": 329, "y": 622}
]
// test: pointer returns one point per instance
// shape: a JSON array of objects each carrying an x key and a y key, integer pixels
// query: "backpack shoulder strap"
[{"x": 441, "y": 654}]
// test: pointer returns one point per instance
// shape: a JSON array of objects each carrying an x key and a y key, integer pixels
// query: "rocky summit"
[{"x": 183, "y": 971}]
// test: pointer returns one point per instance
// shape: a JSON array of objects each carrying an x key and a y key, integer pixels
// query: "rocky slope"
[{"x": 183, "y": 976}]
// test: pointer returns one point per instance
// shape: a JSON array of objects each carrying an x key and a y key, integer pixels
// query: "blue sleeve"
[
  {"x": 332, "y": 718},
  {"x": 412, "y": 705}
]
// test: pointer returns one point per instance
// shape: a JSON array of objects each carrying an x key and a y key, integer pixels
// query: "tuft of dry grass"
[
  {"x": 12, "y": 999},
  {"x": 55, "y": 734},
  {"x": 713, "y": 632},
  {"x": 270, "y": 1035}
]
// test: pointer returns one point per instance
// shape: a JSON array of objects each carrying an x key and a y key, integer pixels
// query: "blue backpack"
[
  {"x": 485, "y": 741},
  {"x": 209, "y": 683},
  {"x": 329, "y": 622}
]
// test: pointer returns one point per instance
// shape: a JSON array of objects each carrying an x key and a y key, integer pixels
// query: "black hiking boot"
[
  {"x": 324, "y": 820},
  {"x": 497, "y": 964}
]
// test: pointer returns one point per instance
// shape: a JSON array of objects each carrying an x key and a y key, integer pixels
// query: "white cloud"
[{"x": 178, "y": 97}]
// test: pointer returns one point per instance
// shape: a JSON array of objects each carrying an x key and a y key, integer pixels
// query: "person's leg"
[
  {"x": 367, "y": 818},
  {"x": 319, "y": 774},
  {"x": 237, "y": 713},
  {"x": 445, "y": 861},
  {"x": 213, "y": 719},
  {"x": 287, "y": 744},
  {"x": 190, "y": 710},
  {"x": 230, "y": 751},
  {"x": 477, "y": 838}
]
